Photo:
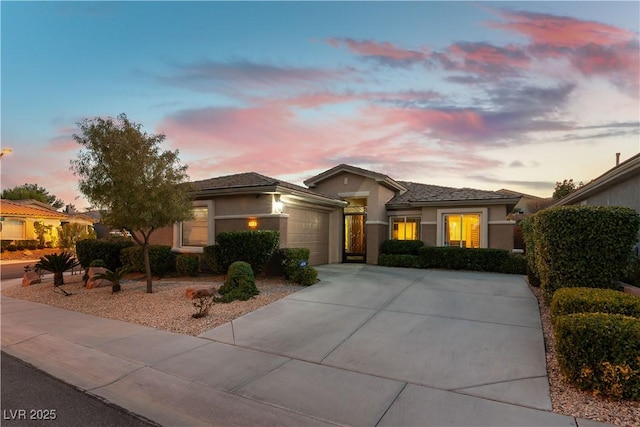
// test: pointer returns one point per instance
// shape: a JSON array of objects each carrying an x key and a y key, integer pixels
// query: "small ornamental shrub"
[
  {"x": 306, "y": 276},
  {"x": 31, "y": 244},
  {"x": 108, "y": 250},
  {"x": 291, "y": 260},
  {"x": 592, "y": 300},
  {"x": 21, "y": 246},
  {"x": 600, "y": 352},
  {"x": 12, "y": 247},
  {"x": 115, "y": 277},
  {"x": 4, "y": 244},
  {"x": 255, "y": 247},
  {"x": 401, "y": 247},
  {"x": 240, "y": 283},
  {"x": 187, "y": 264},
  {"x": 203, "y": 303},
  {"x": 161, "y": 259},
  {"x": 514, "y": 264},
  {"x": 57, "y": 264}
]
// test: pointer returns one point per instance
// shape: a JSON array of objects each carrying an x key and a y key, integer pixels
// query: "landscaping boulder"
[
  {"x": 30, "y": 277},
  {"x": 92, "y": 282}
]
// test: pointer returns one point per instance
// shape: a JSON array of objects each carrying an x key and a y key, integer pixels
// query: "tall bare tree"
[{"x": 125, "y": 174}]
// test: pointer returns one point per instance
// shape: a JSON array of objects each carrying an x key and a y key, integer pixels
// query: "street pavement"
[{"x": 367, "y": 346}]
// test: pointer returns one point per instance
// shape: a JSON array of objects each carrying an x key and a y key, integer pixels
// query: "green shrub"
[
  {"x": 526, "y": 225},
  {"x": 407, "y": 261},
  {"x": 306, "y": 276},
  {"x": 632, "y": 274},
  {"x": 21, "y": 246},
  {"x": 240, "y": 283},
  {"x": 401, "y": 247},
  {"x": 583, "y": 246},
  {"x": 254, "y": 246},
  {"x": 4, "y": 244},
  {"x": 31, "y": 244},
  {"x": 592, "y": 300},
  {"x": 187, "y": 264},
  {"x": 12, "y": 247},
  {"x": 514, "y": 264},
  {"x": 290, "y": 260},
  {"x": 454, "y": 258},
  {"x": 161, "y": 259},
  {"x": 600, "y": 352},
  {"x": 108, "y": 250}
]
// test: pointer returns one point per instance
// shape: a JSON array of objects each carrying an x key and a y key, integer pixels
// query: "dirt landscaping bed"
[{"x": 166, "y": 308}]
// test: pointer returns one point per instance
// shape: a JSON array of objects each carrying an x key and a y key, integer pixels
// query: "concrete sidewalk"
[{"x": 366, "y": 346}]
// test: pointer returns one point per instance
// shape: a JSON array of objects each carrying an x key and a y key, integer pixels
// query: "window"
[
  {"x": 462, "y": 230},
  {"x": 13, "y": 229},
  {"x": 405, "y": 228},
  {"x": 195, "y": 232}
]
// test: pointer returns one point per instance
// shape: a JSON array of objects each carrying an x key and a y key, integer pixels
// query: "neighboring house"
[
  {"x": 344, "y": 214},
  {"x": 18, "y": 216},
  {"x": 619, "y": 186},
  {"x": 528, "y": 203}
]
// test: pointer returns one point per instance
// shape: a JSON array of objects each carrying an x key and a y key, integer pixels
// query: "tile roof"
[
  {"x": 417, "y": 193},
  {"x": 379, "y": 177},
  {"x": 251, "y": 180},
  {"x": 16, "y": 209}
]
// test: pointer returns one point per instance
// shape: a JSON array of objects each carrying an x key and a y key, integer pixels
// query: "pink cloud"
[
  {"x": 561, "y": 31},
  {"x": 384, "y": 51}
]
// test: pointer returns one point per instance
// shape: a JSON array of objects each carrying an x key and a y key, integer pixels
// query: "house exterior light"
[{"x": 252, "y": 223}]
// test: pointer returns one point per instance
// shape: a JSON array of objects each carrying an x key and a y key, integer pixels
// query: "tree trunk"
[
  {"x": 147, "y": 267},
  {"x": 58, "y": 279}
]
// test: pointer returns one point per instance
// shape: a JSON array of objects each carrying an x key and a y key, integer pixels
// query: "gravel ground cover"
[{"x": 168, "y": 309}]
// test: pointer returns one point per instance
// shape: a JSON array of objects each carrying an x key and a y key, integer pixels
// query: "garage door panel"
[{"x": 309, "y": 229}]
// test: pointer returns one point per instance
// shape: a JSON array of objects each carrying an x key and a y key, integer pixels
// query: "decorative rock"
[
  {"x": 97, "y": 283},
  {"x": 30, "y": 277},
  {"x": 191, "y": 293}
]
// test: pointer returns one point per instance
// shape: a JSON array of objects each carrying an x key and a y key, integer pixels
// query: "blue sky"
[{"x": 486, "y": 95}]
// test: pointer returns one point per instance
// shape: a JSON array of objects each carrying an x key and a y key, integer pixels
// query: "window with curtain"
[
  {"x": 405, "y": 228},
  {"x": 195, "y": 232},
  {"x": 462, "y": 230},
  {"x": 13, "y": 229}
]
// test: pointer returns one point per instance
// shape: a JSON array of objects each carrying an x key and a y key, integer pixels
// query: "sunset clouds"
[{"x": 500, "y": 96}]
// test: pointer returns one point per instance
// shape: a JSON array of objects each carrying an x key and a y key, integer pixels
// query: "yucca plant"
[
  {"x": 57, "y": 264},
  {"x": 114, "y": 277}
]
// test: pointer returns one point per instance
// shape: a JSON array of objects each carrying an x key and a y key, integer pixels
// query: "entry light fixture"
[
  {"x": 278, "y": 206},
  {"x": 252, "y": 223}
]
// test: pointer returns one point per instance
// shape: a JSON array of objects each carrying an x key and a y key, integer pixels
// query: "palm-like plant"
[
  {"x": 57, "y": 264},
  {"x": 114, "y": 277}
]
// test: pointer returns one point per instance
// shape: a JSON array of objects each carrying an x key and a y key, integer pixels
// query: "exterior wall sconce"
[
  {"x": 277, "y": 204},
  {"x": 252, "y": 223}
]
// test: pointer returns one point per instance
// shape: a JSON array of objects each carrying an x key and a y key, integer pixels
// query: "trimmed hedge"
[
  {"x": 592, "y": 300},
  {"x": 107, "y": 250},
  {"x": 187, "y": 264},
  {"x": 240, "y": 283},
  {"x": 600, "y": 352},
  {"x": 484, "y": 259},
  {"x": 254, "y": 246},
  {"x": 526, "y": 225},
  {"x": 161, "y": 259},
  {"x": 401, "y": 247},
  {"x": 583, "y": 246}
]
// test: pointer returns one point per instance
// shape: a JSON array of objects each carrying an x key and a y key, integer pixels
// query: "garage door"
[{"x": 309, "y": 229}]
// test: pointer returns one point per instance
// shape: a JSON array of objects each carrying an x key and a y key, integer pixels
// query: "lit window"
[
  {"x": 195, "y": 232},
  {"x": 462, "y": 230},
  {"x": 13, "y": 229},
  {"x": 405, "y": 228}
]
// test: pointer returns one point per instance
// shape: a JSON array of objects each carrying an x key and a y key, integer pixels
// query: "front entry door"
[{"x": 355, "y": 242}]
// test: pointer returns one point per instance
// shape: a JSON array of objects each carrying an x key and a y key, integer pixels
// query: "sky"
[{"x": 487, "y": 95}]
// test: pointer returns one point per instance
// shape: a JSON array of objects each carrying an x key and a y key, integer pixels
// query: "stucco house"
[
  {"x": 18, "y": 216},
  {"x": 619, "y": 186},
  {"x": 344, "y": 214}
]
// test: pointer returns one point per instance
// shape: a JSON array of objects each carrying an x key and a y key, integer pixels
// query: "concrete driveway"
[{"x": 366, "y": 346}]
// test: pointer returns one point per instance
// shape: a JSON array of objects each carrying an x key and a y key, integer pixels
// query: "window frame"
[
  {"x": 178, "y": 245},
  {"x": 484, "y": 223},
  {"x": 418, "y": 223}
]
